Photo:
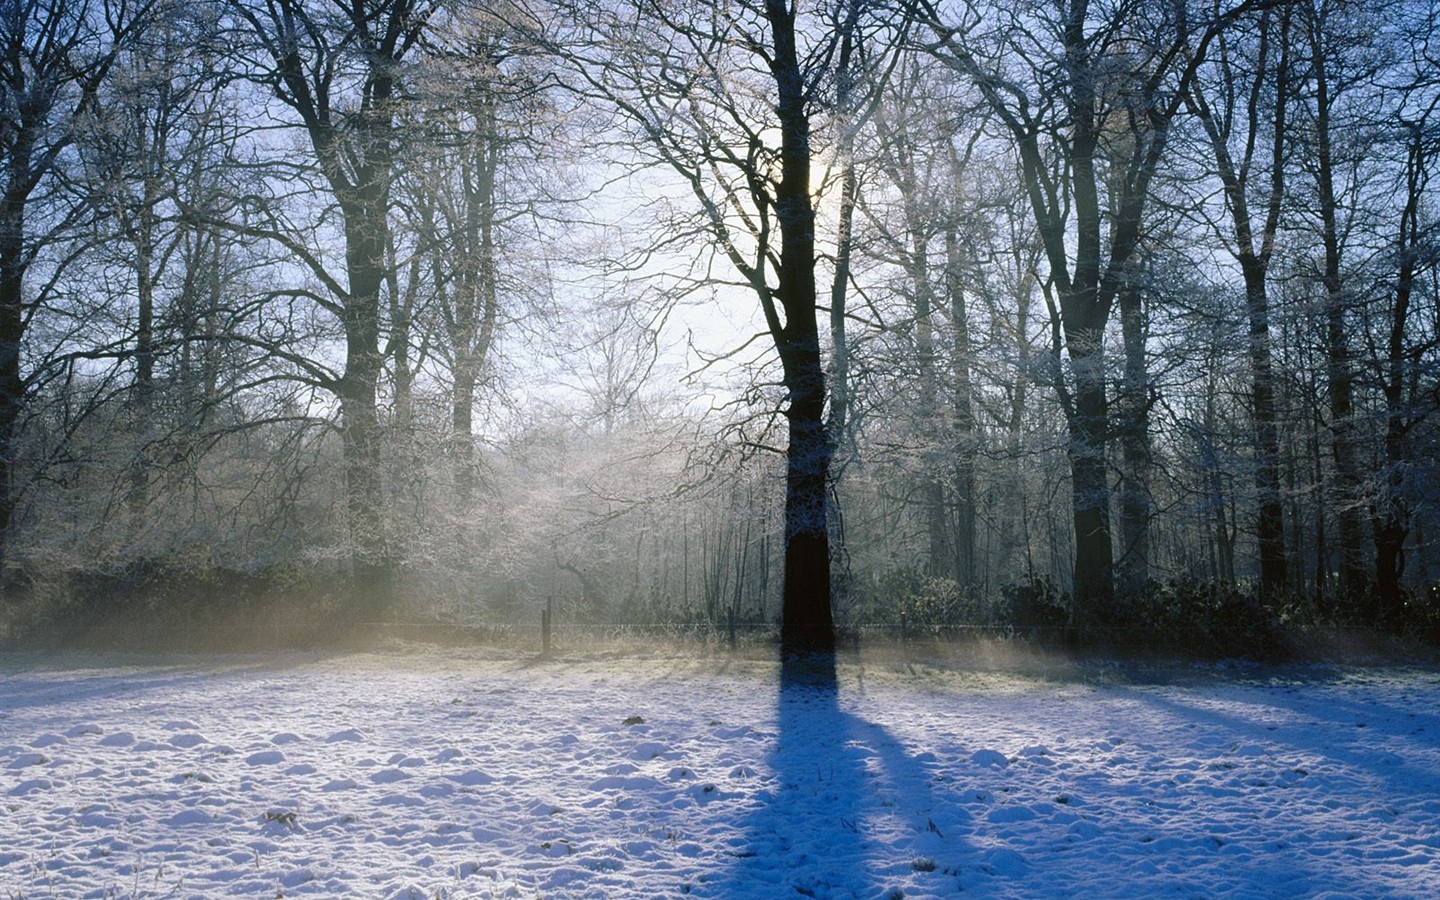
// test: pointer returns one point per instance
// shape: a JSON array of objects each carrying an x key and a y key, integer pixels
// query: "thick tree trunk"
[
  {"x": 963, "y": 443},
  {"x": 12, "y": 384},
  {"x": 1354, "y": 584},
  {"x": 807, "y": 623},
  {"x": 1391, "y": 511},
  {"x": 932, "y": 471},
  {"x": 1089, "y": 485},
  {"x": 20, "y": 180},
  {"x": 364, "y": 496},
  {"x": 807, "y": 626},
  {"x": 1270, "y": 525},
  {"x": 462, "y": 433},
  {"x": 362, "y": 435},
  {"x": 1253, "y": 252},
  {"x": 1133, "y": 423}
]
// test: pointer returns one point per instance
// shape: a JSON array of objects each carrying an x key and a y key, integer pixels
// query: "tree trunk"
[
  {"x": 366, "y": 237},
  {"x": 144, "y": 388},
  {"x": 807, "y": 625},
  {"x": 1253, "y": 252},
  {"x": 1391, "y": 511},
  {"x": 1090, "y": 488},
  {"x": 12, "y": 332},
  {"x": 1354, "y": 584},
  {"x": 1270, "y": 525},
  {"x": 839, "y": 423},
  {"x": 963, "y": 442},
  {"x": 932, "y": 469},
  {"x": 462, "y": 433},
  {"x": 1133, "y": 423}
]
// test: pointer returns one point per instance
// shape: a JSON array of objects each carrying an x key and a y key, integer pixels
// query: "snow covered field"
[{"x": 434, "y": 773}]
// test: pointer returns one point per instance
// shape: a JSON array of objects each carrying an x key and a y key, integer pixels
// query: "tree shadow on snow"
[{"x": 847, "y": 814}]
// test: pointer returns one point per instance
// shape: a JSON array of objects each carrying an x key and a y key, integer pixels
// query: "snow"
[{"x": 421, "y": 773}]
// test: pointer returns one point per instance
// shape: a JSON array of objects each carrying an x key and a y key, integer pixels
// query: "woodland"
[{"x": 1108, "y": 321}]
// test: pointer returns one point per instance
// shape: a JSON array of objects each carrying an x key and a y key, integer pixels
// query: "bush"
[
  {"x": 1209, "y": 620},
  {"x": 1035, "y": 603}
]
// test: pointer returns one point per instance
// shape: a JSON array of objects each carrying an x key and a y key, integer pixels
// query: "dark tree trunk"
[
  {"x": 963, "y": 439},
  {"x": 1354, "y": 583},
  {"x": 12, "y": 332},
  {"x": 1133, "y": 424},
  {"x": 365, "y": 241},
  {"x": 144, "y": 389},
  {"x": 1090, "y": 487},
  {"x": 1253, "y": 252},
  {"x": 462, "y": 433},
  {"x": 356, "y": 157},
  {"x": 932, "y": 470},
  {"x": 807, "y": 625},
  {"x": 839, "y": 422},
  {"x": 1391, "y": 512},
  {"x": 1270, "y": 525}
]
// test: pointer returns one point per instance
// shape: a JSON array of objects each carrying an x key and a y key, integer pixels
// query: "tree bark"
[
  {"x": 355, "y": 152},
  {"x": 1392, "y": 509},
  {"x": 55, "y": 58},
  {"x": 807, "y": 625},
  {"x": 963, "y": 439},
  {"x": 1354, "y": 583},
  {"x": 1253, "y": 252},
  {"x": 1133, "y": 424},
  {"x": 12, "y": 333}
]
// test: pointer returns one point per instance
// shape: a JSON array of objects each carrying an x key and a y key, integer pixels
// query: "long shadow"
[
  {"x": 70, "y": 677},
  {"x": 1333, "y": 733},
  {"x": 849, "y": 813}
]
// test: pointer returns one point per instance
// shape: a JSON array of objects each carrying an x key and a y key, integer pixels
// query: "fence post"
[{"x": 545, "y": 616}]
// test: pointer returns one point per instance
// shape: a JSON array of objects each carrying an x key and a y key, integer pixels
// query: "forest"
[{"x": 1114, "y": 319}]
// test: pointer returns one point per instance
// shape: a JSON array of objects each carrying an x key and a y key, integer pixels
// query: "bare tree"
[
  {"x": 1078, "y": 88},
  {"x": 336, "y": 68},
  {"x": 728, "y": 103},
  {"x": 1246, "y": 127},
  {"x": 54, "y": 55}
]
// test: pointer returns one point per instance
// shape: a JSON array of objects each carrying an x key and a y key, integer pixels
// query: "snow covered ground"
[{"x": 437, "y": 774}]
